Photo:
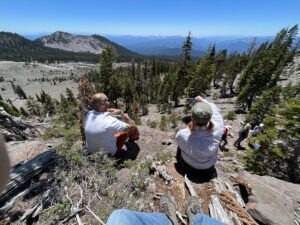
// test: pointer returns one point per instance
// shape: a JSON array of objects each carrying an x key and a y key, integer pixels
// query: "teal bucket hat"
[{"x": 201, "y": 112}]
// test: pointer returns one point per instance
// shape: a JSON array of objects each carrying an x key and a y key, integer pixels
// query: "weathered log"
[
  {"x": 38, "y": 208},
  {"x": 21, "y": 174},
  {"x": 217, "y": 211},
  {"x": 13, "y": 129},
  {"x": 236, "y": 194},
  {"x": 9, "y": 204},
  {"x": 190, "y": 186}
]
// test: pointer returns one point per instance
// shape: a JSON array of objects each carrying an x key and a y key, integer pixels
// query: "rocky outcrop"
[
  {"x": 73, "y": 43},
  {"x": 273, "y": 201},
  {"x": 82, "y": 43},
  {"x": 13, "y": 128},
  {"x": 19, "y": 151}
]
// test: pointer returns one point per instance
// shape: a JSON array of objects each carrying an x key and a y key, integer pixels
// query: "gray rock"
[
  {"x": 273, "y": 201},
  {"x": 19, "y": 151}
]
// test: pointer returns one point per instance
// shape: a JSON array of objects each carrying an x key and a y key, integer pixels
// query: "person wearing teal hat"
[{"x": 198, "y": 144}]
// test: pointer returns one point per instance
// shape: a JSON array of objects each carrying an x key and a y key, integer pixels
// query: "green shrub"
[
  {"x": 164, "y": 108},
  {"x": 163, "y": 126},
  {"x": 9, "y": 109},
  {"x": 152, "y": 124},
  {"x": 139, "y": 175},
  {"x": 53, "y": 133},
  {"x": 164, "y": 156},
  {"x": 145, "y": 109},
  {"x": 230, "y": 115},
  {"x": 228, "y": 154},
  {"x": 173, "y": 120}
]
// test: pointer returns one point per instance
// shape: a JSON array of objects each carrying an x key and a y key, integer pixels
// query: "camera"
[{"x": 191, "y": 101}]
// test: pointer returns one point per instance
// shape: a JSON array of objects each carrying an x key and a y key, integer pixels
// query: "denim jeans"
[{"x": 127, "y": 217}]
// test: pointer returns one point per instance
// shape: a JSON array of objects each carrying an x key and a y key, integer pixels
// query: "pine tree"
[
  {"x": 184, "y": 72},
  {"x": 220, "y": 59},
  {"x": 203, "y": 74},
  {"x": 128, "y": 92},
  {"x": 263, "y": 106},
  {"x": 106, "y": 67},
  {"x": 85, "y": 93},
  {"x": 278, "y": 154},
  {"x": 114, "y": 89},
  {"x": 264, "y": 69},
  {"x": 33, "y": 107},
  {"x": 70, "y": 96}
]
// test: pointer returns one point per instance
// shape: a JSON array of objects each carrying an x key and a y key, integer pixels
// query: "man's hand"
[
  {"x": 114, "y": 111},
  {"x": 199, "y": 98}
]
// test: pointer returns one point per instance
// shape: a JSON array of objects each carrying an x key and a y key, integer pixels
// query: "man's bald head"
[{"x": 100, "y": 102}]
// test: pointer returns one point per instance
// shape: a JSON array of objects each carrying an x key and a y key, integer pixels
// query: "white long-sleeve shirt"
[{"x": 199, "y": 147}]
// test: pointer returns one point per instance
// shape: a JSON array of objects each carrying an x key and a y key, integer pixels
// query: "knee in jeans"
[{"x": 120, "y": 213}]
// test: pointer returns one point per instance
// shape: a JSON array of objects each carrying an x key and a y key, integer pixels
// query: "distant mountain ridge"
[
  {"x": 17, "y": 48},
  {"x": 151, "y": 45},
  {"x": 82, "y": 43},
  {"x": 171, "y": 45}
]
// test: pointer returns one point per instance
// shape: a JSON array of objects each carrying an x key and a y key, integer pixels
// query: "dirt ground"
[
  {"x": 25, "y": 74},
  {"x": 153, "y": 140}
]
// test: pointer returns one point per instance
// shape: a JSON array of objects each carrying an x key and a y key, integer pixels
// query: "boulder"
[
  {"x": 273, "y": 201},
  {"x": 19, "y": 151}
]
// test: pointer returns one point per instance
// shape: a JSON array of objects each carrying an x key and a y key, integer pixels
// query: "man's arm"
[
  {"x": 124, "y": 117},
  {"x": 131, "y": 128},
  {"x": 216, "y": 118}
]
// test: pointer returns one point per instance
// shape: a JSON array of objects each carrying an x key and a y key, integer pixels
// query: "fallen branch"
[
  {"x": 97, "y": 218},
  {"x": 75, "y": 210},
  {"x": 22, "y": 174},
  {"x": 78, "y": 219},
  {"x": 38, "y": 208},
  {"x": 190, "y": 186},
  {"x": 71, "y": 216},
  {"x": 179, "y": 215}
]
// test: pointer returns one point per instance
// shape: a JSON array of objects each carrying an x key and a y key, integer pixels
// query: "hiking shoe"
[
  {"x": 167, "y": 206},
  {"x": 193, "y": 208}
]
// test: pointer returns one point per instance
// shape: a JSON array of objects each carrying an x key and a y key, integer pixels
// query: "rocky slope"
[
  {"x": 82, "y": 43},
  {"x": 14, "y": 47},
  {"x": 92, "y": 184},
  {"x": 267, "y": 200}
]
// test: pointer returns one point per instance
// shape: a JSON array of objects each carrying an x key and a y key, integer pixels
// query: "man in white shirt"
[
  {"x": 104, "y": 131},
  {"x": 198, "y": 144}
]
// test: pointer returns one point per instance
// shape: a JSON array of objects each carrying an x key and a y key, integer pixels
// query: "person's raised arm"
[
  {"x": 118, "y": 112},
  {"x": 216, "y": 118}
]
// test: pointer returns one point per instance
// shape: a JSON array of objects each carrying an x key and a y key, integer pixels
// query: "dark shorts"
[{"x": 200, "y": 175}]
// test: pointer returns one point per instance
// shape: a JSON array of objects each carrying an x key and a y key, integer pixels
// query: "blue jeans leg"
[
  {"x": 201, "y": 219},
  {"x": 127, "y": 217}
]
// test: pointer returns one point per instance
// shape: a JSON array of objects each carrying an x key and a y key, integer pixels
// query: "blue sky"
[{"x": 151, "y": 17}]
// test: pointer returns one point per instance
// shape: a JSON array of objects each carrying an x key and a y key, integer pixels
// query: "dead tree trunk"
[{"x": 23, "y": 173}]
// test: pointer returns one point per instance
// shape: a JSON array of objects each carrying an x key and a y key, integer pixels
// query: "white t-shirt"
[
  {"x": 199, "y": 148},
  {"x": 100, "y": 129}
]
